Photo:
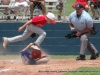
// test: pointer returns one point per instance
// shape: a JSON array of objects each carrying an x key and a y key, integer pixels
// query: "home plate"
[{"x": 4, "y": 70}]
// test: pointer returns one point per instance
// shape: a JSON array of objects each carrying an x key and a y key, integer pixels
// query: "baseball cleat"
[
  {"x": 81, "y": 57},
  {"x": 4, "y": 42},
  {"x": 92, "y": 57},
  {"x": 97, "y": 55}
]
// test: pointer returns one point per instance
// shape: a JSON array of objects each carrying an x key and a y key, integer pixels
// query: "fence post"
[{"x": 64, "y": 11}]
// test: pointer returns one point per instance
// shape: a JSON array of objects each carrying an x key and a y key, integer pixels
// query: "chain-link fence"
[
  {"x": 58, "y": 7},
  {"x": 95, "y": 9},
  {"x": 61, "y": 8}
]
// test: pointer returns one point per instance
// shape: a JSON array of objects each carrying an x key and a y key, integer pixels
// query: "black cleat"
[
  {"x": 81, "y": 57},
  {"x": 92, "y": 58},
  {"x": 97, "y": 55}
]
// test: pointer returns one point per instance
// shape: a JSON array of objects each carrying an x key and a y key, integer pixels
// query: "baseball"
[{"x": 11, "y": 61}]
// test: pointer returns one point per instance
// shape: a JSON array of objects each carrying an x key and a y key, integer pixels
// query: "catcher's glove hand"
[
  {"x": 33, "y": 35},
  {"x": 71, "y": 35}
]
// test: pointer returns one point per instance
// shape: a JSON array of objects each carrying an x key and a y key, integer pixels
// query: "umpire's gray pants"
[
  {"x": 28, "y": 31},
  {"x": 86, "y": 44}
]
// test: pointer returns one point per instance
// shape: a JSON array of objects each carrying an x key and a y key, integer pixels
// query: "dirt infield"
[{"x": 53, "y": 67}]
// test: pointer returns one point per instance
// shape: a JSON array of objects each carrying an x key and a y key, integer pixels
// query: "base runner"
[
  {"x": 34, "y": 56},
  {"x": 32, "y": 26}
]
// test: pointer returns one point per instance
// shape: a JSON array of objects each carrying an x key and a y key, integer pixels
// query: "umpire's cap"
[{"x": 78, "y": 6}]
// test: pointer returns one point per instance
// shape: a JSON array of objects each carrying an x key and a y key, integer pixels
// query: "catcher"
[{"x": 34, "y": 56}]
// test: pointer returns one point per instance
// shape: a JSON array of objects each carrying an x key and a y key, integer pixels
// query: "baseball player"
[
  {"x": 32, "y": 26},
  {"x": 81, "y": 21},
  {"x": 34, "y": 56}
]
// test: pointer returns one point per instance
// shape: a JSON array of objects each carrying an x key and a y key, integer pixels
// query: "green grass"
[
  {"x": 62, "y": 56},
  {"x": 84, "y": 71},
  {"x": 51, "y": 56},
  {"x": 67, "y": 56},
  {"x": 3, "y": 57},
  {"x": 69, "y": 7}
]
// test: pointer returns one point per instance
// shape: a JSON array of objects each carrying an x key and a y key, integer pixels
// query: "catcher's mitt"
[
  {"x": 71, "y": 35},
  {"x": 33, "y": 35}
]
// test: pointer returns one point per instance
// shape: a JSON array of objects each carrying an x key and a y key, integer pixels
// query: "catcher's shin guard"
[{"x": 26, "y": 55}]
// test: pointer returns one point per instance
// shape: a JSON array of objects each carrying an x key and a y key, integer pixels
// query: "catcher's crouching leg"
[
  {"x": 25, "y": 55},
  {"x": 42, "y": 60}
]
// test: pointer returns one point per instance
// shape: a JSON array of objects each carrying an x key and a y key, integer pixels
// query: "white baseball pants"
[{"x": 28, "y": 31}]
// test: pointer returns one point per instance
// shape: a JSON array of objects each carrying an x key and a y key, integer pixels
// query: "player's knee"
[
  {"x": 83, "y": 38},
  {"x": 44, "y": 33}
]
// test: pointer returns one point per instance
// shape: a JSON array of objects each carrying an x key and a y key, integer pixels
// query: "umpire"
[{"x": 82, "y": 22}]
